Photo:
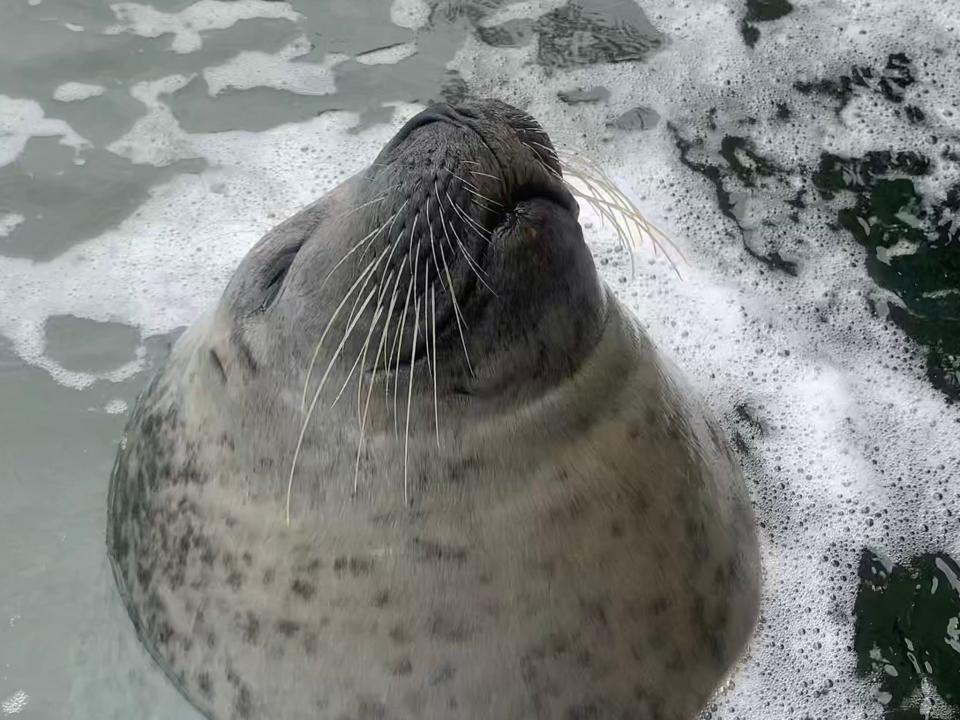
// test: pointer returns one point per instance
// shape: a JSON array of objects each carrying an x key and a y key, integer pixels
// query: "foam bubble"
[
  {"x": 22, "y": 119},
  {"x": 388, "y": 55},
  {"x": 8, "y": 221},
  {"x": 187, "y": 25},
  {"x": 117, "y": 406},
  {"x": 278, "y": 70},
  {"x": 15, "y": 703},
  {"x": 412, "y": 14},
  {"x": 74, "y": 91}
]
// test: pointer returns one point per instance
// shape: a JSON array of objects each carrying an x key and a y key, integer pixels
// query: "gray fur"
[{"x": 578, "y": 546}]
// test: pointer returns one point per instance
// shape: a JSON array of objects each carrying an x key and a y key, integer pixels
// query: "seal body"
[{"x": 522, "y": 512}]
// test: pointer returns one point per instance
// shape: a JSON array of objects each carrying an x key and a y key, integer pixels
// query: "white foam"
[
  {"x": 156, "y": 138},
  {"x": 388, "y": 55},
  {"x": 278, "y": 70},
  {"x": 15, "y": 703},
  {"x": 188, "y": 25},
  {"x": 22, "y": 119},
  {"x": 117, "y": 406},
  {"x": 8, "y": 221},
  {"x": 412, "y": 14},
  {"x": 74, "y": 91}
]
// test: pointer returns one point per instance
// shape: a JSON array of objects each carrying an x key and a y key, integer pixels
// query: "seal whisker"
[
  {"x": 313, "y": 404},
  {"x": 480, "y": 230},
  {"x": 316, "y": 352},
  {"x": 360, "y": 244},
  {"x": 456, "y": 310},
  {"x": 473, "y": 188},
  {"x": 477, "y": 270},
  {"x": 477, "y": 172},
  {"x": 603, "y": 190},
  {"x": 368, "y": 203},
  {"x": 362, "y": 355},
  {"x": 470, "y": 261},
  {"x": 426, "y": 338},
  {"x": 397, "y": 349},
  {"x": 433, "y": 324},
  {"x": 373, "y": 376},
  {"x": 406, "y": 437}
]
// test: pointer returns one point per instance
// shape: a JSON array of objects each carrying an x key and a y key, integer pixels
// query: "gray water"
[{"x": 125, "y": 205}]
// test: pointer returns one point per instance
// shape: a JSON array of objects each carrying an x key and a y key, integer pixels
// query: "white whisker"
[{"x": 406, "y": 436}]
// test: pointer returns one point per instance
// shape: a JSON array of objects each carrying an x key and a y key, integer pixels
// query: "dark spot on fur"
[
  {"x": 251, "y": 628},
  {"x": 243, "y": 704},
  {"x": 659, "y": 605},
  {"x": 287, "y": 628},
  {"x": 570, "y": 511},
  {"x": 268, "y": 576},
  {"x": 675, "y": 663},
  {"x": 211, "y": 639},
  {"x": 371, "y": 710},
  {"x": 616, "y": 529},
  {"x": 381, "y": 598},
  {"x": 588, "y": 711},
  {"x": 427, "y": 550},
  {"x": 204, "y": 684},
  {"x": 403, "y": 666},
  {"x": 594, "y": 612},
  {"x": 247, "y": 559},
  {"x": 207, "y": 555},
  {"x": 443, "y": 675},
  {"x": 356, "y": 566},
  {"x": 235, "y": 580},
  {"x": 558, "y": 643},
  {"x": 448, "y": 629},
  {"x": 398, "y": 633},
  {"x": 312, "y": 566},
  {"x": 303, "y": 589}
]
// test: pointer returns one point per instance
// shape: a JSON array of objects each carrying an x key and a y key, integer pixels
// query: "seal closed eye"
[{"x": 419, "y": 462}]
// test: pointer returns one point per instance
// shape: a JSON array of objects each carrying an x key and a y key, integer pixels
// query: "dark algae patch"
[
  {"x": 890, "y": 82},
  {"x": 913, "y": 247},
  {"x": 742, "y": 168},
  {"x": 761, "y": 11},
  {"x": 907, "y": 632},
  {"x": 582, "y": 33}
]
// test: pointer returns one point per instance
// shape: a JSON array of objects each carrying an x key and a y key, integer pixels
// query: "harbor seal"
[{"x": 419, "y": 462}]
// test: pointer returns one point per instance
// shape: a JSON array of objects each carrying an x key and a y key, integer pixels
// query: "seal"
[{"x": 419, "y": 462}]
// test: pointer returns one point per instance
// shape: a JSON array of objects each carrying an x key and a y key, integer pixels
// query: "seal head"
[{"x": 502, "y": 501}]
